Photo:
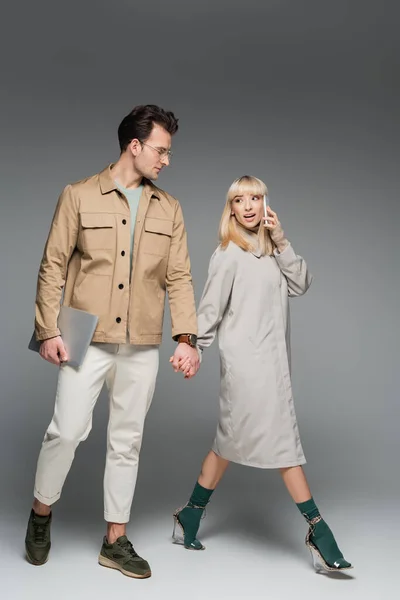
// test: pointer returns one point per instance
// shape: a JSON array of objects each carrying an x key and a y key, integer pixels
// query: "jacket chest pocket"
[
  {"x": 156, "y": 237},
  {"x": 97, "y": 231}
]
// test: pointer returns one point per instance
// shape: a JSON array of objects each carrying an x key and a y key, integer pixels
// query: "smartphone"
[{"x": 265, "y": 208}]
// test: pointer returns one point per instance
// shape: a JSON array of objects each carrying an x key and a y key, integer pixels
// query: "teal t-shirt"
[{"x": 133, "y": 197}]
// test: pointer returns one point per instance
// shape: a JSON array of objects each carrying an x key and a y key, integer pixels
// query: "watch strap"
[{"x": 185, "y": 338}]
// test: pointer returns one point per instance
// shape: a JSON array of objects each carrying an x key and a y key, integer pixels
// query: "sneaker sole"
[
  {"x": 110, "y": 564},
  {"x": 34, "y": 562}
]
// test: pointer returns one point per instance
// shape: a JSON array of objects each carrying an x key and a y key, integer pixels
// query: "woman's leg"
[
  {"x": 212, "y": 470},
  {"x": 296, "y": 483},
  {"x": 189, "y": 516},
  {"x": 320, "y": 535}
]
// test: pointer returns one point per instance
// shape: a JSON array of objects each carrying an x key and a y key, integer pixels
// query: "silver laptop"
[{"x": 77, "y": 328}]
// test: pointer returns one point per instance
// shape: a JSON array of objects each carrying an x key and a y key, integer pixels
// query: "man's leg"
[
  {"x": 76, "y": 396},
  {"x": 131, "y": 385}
]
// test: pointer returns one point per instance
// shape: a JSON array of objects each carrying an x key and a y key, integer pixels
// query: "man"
[{"x": 117, "y": 243}]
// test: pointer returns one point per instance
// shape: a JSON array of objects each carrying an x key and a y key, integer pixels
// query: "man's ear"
[{"x": 135, "y": 147}]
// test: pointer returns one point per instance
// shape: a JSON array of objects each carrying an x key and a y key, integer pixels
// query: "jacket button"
[
  {"x": 123, "y": 253},
  {"x": 121, "y": 286},
  {"x": 123, "y": 221},
  {"x": 118, "y": 319}
]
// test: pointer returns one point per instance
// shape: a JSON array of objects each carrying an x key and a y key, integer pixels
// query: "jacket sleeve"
[
  {"x": 59, "y": 247},
  {"x": 295, "y": 270},
  {"x": 179, "y": 280},
  {"x": 215, "y": 298}
]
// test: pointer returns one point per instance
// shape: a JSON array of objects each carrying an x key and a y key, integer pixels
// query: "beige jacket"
[{"x": 87, "y": 255}]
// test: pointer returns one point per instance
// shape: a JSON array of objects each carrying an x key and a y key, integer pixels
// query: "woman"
[{"x": 245, "y": 301}]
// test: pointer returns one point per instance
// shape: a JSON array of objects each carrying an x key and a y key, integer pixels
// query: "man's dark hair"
[{"x": 139, "y": 124}]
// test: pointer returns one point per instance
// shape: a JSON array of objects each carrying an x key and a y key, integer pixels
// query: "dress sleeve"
[
  {"x": 215, "y": 297},
  {"x": 295, "y": 270}
]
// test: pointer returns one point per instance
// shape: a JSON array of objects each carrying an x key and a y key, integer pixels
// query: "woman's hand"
[
  {"x": 185, "y": 359},
  {"x": 272, "y": 223}
]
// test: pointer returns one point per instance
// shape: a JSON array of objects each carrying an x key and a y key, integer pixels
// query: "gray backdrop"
[{"x": 304, "y": 95}]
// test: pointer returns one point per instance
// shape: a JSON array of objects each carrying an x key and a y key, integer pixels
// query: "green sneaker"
[
  {"x": 121, "y": 556},
  {"x": 37, "y": 540}
]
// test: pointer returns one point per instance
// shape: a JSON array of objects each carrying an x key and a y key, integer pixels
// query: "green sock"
[
  {"x": 308, "y": 509},
  {"x": 190, "y": 516},
  {"x": 200, "y": 495},
  {"x": 322, "y": 537}
]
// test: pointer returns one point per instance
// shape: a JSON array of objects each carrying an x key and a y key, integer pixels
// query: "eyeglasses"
[{"x": 163, "y": 153}]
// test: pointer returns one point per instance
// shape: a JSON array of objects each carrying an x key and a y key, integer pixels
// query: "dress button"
[
  {"x": 123, "y": 253},
  {"x": 121, "y": 286},
  {"x": 118, "y": 319},
  {"x": 123, "y": 221}
]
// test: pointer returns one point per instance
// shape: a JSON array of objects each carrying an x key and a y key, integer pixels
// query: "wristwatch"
[{"x": 187, "y": 338}]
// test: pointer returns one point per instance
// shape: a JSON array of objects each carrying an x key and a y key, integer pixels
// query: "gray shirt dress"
[{"x": 245, "y": 303}]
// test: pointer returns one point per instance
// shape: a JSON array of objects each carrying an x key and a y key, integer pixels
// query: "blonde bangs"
[{"x": 247, "y": 185}]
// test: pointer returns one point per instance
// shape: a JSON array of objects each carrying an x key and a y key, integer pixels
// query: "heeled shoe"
[
  {"x": 194, "y": 544},
  {"x": 318, "y": 560}
]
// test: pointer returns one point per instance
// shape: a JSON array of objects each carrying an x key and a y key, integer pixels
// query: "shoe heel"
[
  {"x": 106, "y": 562},
  {"x": 317, "y": 562},
  {"x": 176, "y": 538}
]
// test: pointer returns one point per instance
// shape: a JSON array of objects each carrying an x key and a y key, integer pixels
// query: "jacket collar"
[{"x": 107, "y": 183}]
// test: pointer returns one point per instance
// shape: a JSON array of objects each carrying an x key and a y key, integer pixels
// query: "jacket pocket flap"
[
  {"x": 158, "y": 226},
  {"x": 94, "y": 220}
]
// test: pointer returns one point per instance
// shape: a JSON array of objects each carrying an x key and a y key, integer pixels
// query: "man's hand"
[
  {"x": 53, "y": 350},
  {"x": 185, "y": 359}
]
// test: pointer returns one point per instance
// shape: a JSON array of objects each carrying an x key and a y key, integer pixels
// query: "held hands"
[
  {"x": 185, "y": 359},
  {"x": 53, "y": 350},
  {"x": 272, "y": 223}
]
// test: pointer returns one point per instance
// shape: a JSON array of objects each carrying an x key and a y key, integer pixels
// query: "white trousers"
[{"x": 130, "y": 374}]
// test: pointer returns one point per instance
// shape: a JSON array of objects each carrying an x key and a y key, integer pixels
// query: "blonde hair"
[{"x": 230, "y": 230}]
